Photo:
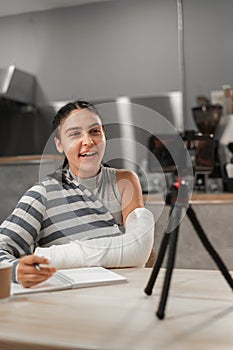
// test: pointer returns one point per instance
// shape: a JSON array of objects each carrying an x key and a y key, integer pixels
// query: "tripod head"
[{"x": 178, "y": 194}]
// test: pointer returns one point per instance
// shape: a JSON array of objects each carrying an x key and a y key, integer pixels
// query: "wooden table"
[{"x": 199, "y": 315}]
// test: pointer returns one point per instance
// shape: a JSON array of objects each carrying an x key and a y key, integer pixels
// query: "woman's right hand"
[{"x": 28, "y": 275}]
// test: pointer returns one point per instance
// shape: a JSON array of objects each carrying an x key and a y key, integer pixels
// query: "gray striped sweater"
[{"x": 56, "y": 210}]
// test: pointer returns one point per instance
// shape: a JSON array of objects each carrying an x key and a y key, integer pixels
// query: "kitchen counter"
[
  {"x": 28, "y": 159},
  {"x": 19, "y": 173},
  {"x": 214, "y": 213},
  {"x": 197, "y": 198}
]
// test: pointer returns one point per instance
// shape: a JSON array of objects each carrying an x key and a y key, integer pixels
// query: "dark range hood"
[
  {"x": 25, "y": 126},
  {"x": 17, "y": 85}
]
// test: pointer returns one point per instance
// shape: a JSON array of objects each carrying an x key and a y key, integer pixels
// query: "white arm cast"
[{"x": 130, "y": 249}]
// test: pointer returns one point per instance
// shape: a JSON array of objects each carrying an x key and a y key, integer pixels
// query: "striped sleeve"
[{"x": 19, "y": 232}]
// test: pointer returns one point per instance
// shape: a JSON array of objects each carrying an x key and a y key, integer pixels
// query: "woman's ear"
[{"x": 58, "y": 144}]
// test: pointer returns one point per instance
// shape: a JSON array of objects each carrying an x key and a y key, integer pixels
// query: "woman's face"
[{"x": 83, "y": 141}]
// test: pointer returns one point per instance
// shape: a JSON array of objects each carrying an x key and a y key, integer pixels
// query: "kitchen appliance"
[
  {"x": 24, "y": 128},
  {"x": 224, "y": 135},
  {"x": 207, "y": 118}
]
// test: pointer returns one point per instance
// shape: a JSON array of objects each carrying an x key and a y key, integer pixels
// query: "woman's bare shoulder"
[{"x": 126, "y": 174}]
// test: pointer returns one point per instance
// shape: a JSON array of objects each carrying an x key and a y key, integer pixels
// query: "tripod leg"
[
  {"x": 213, "y": 253},
  {"x": 158, "y": 263},
  {"x": 167, "y": 280},
  {"x": 159, "y": 260}
]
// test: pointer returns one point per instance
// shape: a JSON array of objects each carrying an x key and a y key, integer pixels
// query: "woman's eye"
[
  {"x": 95, "y": 131},
  {"x": 75, "y": 134}
]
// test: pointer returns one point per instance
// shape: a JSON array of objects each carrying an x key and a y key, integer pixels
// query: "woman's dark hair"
[
  {"x": 71, "y": 106},
  {"x": 64, "y": 112}
]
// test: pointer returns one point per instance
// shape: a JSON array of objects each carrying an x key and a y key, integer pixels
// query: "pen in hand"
[
  {"x": 37, "y": 266},
  {"x": 43, "y": 267},
  {"x": 34, "y": 269}
]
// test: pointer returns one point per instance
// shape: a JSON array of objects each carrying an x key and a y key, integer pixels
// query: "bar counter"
[
  {"x": 197, "y": 198},
  {"x": 214, "y": 213},
  {"x": 28, "y": 159}
]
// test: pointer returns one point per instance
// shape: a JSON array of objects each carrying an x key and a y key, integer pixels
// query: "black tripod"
[{"x": 171, "y": 236}]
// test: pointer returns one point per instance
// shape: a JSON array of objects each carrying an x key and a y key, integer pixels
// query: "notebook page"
[
  {"x": 92, "y": 276},
  {"x": 53, "y": 283}
]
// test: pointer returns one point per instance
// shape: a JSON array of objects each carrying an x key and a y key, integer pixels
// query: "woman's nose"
[{"x": 86, "y": 138}]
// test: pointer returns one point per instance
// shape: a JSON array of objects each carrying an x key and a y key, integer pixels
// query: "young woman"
[{"x": 82, "y": 215}]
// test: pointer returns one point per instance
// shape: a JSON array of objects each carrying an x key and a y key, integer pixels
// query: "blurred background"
[{"x": 171, "y": 56}]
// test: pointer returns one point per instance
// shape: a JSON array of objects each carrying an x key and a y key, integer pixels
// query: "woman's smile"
[{"x": 88, "y": 154}]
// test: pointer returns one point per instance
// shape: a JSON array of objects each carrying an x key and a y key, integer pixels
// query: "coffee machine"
[
  {"x": 224, "y": 134},
  {"x": 209, "y": 119}
]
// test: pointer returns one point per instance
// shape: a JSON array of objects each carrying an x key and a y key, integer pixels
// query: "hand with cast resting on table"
[{"x": 28, "y": 275}]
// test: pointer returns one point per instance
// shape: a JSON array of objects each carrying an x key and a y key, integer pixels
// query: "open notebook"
[{"x": 72, "y": 278}]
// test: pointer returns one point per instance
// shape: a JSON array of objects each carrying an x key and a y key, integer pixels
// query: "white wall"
[
  {"x": 96, "y": 51},
  {"x": 122, "y": 47},
  {"x": 208, "y": 40}
]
